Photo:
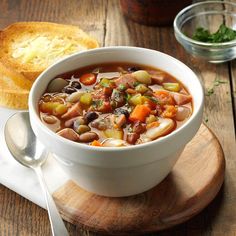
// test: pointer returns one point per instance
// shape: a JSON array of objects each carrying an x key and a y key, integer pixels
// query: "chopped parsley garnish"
[
  {"x": 136, "y": 83},
  {"x": 122, "y": 87},
  {"x": 216, "y": 83},
  {"x": 223, "y": 34},
  {"x": 127, "y": 97},
  {"x": 97, "y": 103},
  {"x": 153, "y": 99}
]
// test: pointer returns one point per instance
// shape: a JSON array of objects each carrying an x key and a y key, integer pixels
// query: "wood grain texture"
[
  {"x": 193, "y": 183},
  {"x": 103, "y": 20},
  {"x": 233, "y": 88}
]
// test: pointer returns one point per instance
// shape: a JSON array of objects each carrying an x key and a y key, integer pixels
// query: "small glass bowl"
[{"x": 209, "y": 15}]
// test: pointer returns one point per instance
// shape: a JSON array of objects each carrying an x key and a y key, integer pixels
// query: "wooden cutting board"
[{"x": 192, "y": 184}]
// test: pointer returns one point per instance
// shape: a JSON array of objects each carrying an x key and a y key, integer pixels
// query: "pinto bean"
[
  {"x": 69, "y": 134},
  {"x": 88, "y": 137},
  {"x": 50, "y": 119},
  {"x": 101, "y": 123}
]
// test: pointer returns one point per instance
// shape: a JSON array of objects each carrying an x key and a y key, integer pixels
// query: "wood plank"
[{"x": 233, "y": 88}]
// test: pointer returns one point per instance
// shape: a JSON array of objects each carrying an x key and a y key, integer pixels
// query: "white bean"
[
  {"x": 112, "y": 142},
  {"x": 166, "y": 125},
  {"x": 182, "y": 113},
  {"x": 142, "y": 76},
  {"x": 56, "y": 85},
  {"x": 74, "y": 97}
]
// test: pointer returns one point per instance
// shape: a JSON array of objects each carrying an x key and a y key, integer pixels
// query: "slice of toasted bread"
[
  {"x": 30, "y": 47},
  {"x": 14, "y": 88}
]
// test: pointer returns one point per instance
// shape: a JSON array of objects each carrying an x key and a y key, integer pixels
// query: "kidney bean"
[
  {"x": 139, "y": 127},
  {"x": 132, "y": 138}
]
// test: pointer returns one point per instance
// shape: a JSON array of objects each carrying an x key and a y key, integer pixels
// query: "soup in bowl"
[{"x": 117, "y": 118}]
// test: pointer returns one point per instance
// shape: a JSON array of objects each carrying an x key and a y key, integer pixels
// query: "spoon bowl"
[{"x": 21, "y": 141}]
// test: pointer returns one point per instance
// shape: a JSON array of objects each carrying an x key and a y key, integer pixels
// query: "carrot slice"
[
  {"x": 164, "y": 97},
  {"x": 96, "y": 143},
  {"x": 88, "y": 79},
  {"x": 139, "y": 113},
  {"x": 169, "y": 112}
]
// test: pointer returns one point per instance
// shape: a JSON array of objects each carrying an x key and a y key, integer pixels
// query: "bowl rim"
[
  {"x": 196, "y": 42},
  {"x": 34, "y": 114}
]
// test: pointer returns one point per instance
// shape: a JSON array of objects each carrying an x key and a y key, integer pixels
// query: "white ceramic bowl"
[{"x": 119, "y": 171}]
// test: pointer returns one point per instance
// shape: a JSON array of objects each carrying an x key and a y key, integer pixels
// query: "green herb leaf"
[
  {"x": 122, "y": 87},
  {"x": 153, "y": 99},
  {"x": 216, "y": 83},
  {"x": 210, "y": 91},
  {"x": 223, "y": 34}
]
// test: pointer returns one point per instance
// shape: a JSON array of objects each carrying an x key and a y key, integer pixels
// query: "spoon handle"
[{"x": 57, "y": 224}]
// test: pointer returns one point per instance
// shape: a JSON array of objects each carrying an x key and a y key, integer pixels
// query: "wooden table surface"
[{"x": 103, "y": 20}]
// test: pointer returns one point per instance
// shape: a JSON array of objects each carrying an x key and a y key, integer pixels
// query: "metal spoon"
[{"x": 27, "y": 150}]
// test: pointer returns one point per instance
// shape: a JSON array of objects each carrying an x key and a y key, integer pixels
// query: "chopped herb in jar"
[{"x": 223, "y": 34}]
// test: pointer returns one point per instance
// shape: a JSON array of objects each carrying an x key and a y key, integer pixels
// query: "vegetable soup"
[{"x": 115, "y": 104}]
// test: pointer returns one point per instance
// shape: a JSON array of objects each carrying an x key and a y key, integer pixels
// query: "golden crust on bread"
[
  {"x": 14, "y": 89},
  {"x": 16, "y": 99},
  {"x": 30, "y": 47}
]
